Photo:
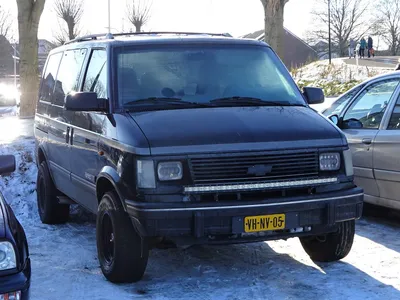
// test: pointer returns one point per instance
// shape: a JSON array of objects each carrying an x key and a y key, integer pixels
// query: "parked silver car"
[{"x": 369, "y": 115}]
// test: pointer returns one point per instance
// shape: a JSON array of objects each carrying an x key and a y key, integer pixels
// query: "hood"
[{"x": 236, "y": 129}]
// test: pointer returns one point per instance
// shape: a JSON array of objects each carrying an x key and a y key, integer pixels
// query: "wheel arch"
[
  {"x": 40, "y": 155},
  {"x": 108, "y": 180}
]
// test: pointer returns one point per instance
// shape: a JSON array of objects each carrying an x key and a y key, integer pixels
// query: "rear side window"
[
  {"x": 68, "y": 75},
  {"x": 49, "y": 77},
  {"x": 96, "y": 76}
]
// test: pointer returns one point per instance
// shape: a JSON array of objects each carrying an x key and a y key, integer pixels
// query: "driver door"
[{"x": 361, "y": 124}]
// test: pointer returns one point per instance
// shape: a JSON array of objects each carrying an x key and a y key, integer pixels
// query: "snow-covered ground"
[
  {"x": 65, "y": 265},
  {"x": 339, "y": 70}
]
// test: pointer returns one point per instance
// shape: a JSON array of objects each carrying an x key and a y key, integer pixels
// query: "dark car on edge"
[
  {"x": 15, "y": 265},
  {"x": 185, "y": 138}
]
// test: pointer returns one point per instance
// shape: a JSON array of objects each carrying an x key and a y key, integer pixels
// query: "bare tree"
[
  {"x": 348, "y": 20},
  {"x": 387, "y": 16},
  {"x": 71, "y": 12},
  {"x": 273, "y": 10},
  {"x": 138, "y": 13},
  {"x": 29, "y": 13},
  {"x": 5, "y": 22}
]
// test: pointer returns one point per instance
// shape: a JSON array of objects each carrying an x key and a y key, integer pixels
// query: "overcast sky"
[{"x": 237, "y": 17}]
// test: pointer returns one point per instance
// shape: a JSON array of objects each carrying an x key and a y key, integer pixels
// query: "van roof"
[{"x": 155, "y": 38}]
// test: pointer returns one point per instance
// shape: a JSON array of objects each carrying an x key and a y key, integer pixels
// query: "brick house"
[
  {"x": 296, "y": 51},
  {"x": 6, "y": 57}
]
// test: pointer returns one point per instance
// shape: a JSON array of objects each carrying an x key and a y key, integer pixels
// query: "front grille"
[{"x": 256, "y": 167}]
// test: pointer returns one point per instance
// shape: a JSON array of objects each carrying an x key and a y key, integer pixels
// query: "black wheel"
[
  {"x": 333, "y": 246},
  {"x": 122, "y": 253},
  {"x": 50, "y": 211}
]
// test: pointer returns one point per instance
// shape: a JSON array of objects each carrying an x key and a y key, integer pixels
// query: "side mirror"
[
  {"x": 334, "y": 119},
  {"x": 85, "y": 101},
  {"x": 7, "y": 164},
  {"x": 352, "y": 124},
  {"x": 314, "y": 95}
]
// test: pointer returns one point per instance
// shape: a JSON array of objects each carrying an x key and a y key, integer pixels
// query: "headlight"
[
  {"x": 329, "y": 162},
  {"x": 348, "y": 162},
  {"x": 7, "y": 256},
  {"x": 145, "y": 174},
  {"x": 170, "y": 171}
]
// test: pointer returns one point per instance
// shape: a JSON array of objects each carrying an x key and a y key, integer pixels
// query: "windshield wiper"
[
  {"x": 238, "y": 100},
  {"x": 167, "y": 101}
]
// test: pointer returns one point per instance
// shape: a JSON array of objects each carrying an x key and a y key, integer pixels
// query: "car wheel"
[
  {"x": 50, "y": 211},
  {"x": 333, "y": 246},
  {"x": 122, "y": 252}
]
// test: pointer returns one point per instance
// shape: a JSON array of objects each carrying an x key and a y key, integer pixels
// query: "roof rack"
[{"x": 112, "y": 35}]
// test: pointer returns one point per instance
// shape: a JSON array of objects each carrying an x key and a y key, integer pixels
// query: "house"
[
  {"x": 322, "y": 49},
  {"x": 6, "y": 57},
  {"x": 296, "y": 51},
  {"x": 43, "y": 51},
  {"x": 44, "y": 48}
]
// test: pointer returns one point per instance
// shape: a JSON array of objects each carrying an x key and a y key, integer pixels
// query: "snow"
[
  {"x": 65, "y": 265},
  {"x": 338, "y": 71}
]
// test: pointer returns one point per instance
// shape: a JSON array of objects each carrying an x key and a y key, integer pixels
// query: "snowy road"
[{"x": 65, "y": 265}]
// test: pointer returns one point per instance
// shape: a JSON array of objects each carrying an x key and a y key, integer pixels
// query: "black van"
[{"x": 182, "y": 139}]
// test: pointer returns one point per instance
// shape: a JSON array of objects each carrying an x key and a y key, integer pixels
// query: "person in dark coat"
[
  {"x": 370, "y": 46},
  {"x": 363, "y": 45}
]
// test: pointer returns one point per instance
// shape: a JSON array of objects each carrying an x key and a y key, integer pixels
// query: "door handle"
[
  {"x": 67, "y": 135},
  {"x": 367, "y": 141}
]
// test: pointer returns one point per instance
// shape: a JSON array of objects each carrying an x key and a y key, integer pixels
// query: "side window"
[
  {"x": 394, "y": 122},
  {"x": 68, "y": 75},
  {"x": 371, "y": 104},
  {"x": 49, "y": 77},
  {"x": 96, "y": 75}
]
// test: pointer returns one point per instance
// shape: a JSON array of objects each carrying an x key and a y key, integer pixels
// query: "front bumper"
[
  {"x": 223, "y": 222},
  {"x": 17, "y": 282}
]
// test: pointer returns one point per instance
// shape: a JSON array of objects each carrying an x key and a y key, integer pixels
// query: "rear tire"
[
  {"x": 122, "y": 253},
  {"x": 50, "y": 211},
  {"x": 333, "y": 246}
]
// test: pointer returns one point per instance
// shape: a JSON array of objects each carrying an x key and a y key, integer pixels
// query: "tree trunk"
[
  {"x": 29, "y": 12},
  {"x": 71, "y": 29},
  {"x": 138, "y": 27},
  {"x": 274, "y": 32}
]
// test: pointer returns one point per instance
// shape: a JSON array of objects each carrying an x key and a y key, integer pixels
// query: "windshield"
[
  {"x": 340, "y": 103},
  {"x": 200, "y": 74}
]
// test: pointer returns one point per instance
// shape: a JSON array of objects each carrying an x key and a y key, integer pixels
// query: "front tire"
[
  {"x": 122, "y": 253},
  {"x": 50, "y": 211},
  {"x": 333, "y": 246}
]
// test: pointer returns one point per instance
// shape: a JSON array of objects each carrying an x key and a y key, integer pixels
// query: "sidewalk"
[{"x": 376, "y": 62}]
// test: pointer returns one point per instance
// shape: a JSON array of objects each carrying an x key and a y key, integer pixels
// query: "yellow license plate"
[{"x": 264, "y": 223}]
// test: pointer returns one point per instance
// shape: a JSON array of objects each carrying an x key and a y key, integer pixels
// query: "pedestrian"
[
  {"x": 370, "y": 46},
  {"x": 351, "y": 48},
  {"x": 363, "y": 45}
]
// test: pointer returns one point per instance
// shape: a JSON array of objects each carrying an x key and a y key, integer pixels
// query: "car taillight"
[{"x": 11, "y": 296}]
